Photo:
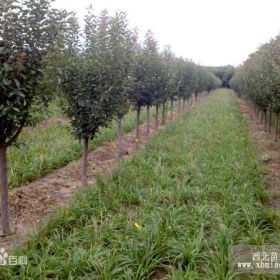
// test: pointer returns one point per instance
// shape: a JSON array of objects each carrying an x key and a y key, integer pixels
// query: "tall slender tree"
[
  {"x": 87, "y": 83},
  {"x": 120, "y": 61},
  {"x": 151, "y": 78},
  {"x": 146, "y": 75},
  {"x": 169, "y": 77},
  {"x": 25, "y": 38}
]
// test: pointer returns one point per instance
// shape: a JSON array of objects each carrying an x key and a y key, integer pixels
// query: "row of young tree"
[
  {"x": 258, "y": 81},
  {"x": 113, "y": 72},
  {"x": 102, "y": 72}
]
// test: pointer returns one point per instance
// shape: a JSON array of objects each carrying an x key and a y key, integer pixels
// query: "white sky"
[{"x": 210, "y": 32}]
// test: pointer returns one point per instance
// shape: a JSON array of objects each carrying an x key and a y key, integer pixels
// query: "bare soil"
[{"x": 269, "y": 152}]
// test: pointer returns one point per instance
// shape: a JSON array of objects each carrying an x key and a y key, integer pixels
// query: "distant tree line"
[
  {"x": 224, "y": 73},
  {"x": 102, "y": 72}
]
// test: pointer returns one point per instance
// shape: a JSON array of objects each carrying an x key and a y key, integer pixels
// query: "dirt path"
[
  {"x": 36, "y": 201},
  {"x": 269, "y": 151}
]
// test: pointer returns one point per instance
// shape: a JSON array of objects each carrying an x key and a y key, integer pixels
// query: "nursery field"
[
  {"x": 43, "y": 149},
  {"x": 171, "y": 211}
]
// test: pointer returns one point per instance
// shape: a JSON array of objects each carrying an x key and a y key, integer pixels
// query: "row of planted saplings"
[{"x": 268, "y": 118}]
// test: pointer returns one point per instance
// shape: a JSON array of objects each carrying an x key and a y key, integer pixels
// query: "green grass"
[
  {"x": 175, "y": 207},
  {"x": 37, "y": 112},
  {"x": 41, "y": 150}
]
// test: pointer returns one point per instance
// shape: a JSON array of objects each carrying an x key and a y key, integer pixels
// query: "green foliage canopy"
[
  {"x": 25, "y": 38},
  {"x": 258, "y": 78}
]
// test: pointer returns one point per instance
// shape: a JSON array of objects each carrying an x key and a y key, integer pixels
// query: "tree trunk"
[
  {"x": 269, "y": 120},
  {"x": 84, "y": 177},
  {"x": 46, "y": 118},
  {"x": 119, "y": 131},
  {"x": 5, "y": 214},
  {"x": 138, "y": 122},
  {"x": 171, "y": 110},
  {"x": 148, "y": 120},
  {"x": 261, "y": 116},
  {"x": 276, "y": 127},
  {"x": 46, "y": 114},
  {"x": 156, "y": 116},
  {"x": 163, "y": 113},
  {"x": 265, "y": 120},
  {"x": 179, "y": 107}
]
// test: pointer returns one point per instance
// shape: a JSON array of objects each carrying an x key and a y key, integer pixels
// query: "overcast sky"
[{"x": 210, "y": 32}]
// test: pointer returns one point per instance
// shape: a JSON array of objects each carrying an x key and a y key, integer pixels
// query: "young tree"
[
  {"x": 146, "y": 71},
  {"x": 151, "y": 73},
  {"x": 84, "y": 103},
  {"x": 61, "y": 25},
  {"x": 25, "y": 38},
  {"x": 170, "y": 79},
  {"x": 191, "y": 80},
  {"x": 120, "y": 59},
  {"x": 136, "y": 96},
  {"x": 160, "y": 90},
  {"x": 86, "y": 83},
  {"x": 181, "y": 85}
]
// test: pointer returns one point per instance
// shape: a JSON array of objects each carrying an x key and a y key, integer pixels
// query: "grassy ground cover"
[
  {"x": 172, "y": 211},
  {"x": 41, "y": 150}
]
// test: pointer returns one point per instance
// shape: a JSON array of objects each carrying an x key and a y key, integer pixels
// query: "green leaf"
[
  {"x": 6, "y": 82},
  {"x": 7, "y": 67},
  {"x": 17, "y": 83},
  {"x": 16, "y": 109}
]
